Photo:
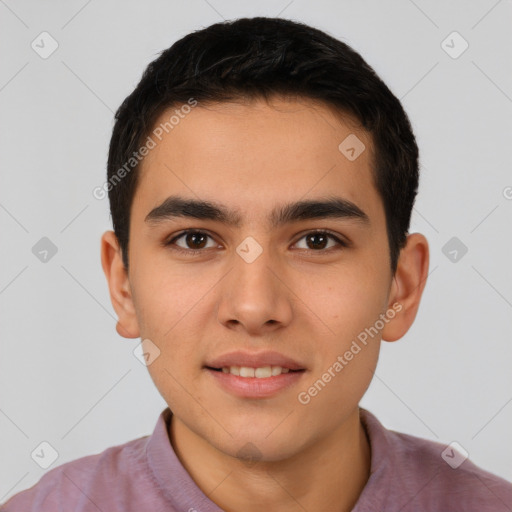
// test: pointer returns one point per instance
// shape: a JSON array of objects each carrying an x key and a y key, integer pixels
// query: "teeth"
[
  {"x": 246, "y": 372},
  {"x": 259, "y": 373},
  {"x": 277, "y": 370}
]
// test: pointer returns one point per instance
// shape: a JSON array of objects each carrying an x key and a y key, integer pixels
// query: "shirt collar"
[{"x": 172, "y": 478}]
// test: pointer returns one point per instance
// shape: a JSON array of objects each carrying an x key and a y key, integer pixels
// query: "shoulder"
[
  {"x": 80, "y": 484},
  {"x": 450, "y": 469},
  {"x": 429, "y": 475}
]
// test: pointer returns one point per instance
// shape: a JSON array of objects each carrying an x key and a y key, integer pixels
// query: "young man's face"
[{"x": 257, "y": 286}]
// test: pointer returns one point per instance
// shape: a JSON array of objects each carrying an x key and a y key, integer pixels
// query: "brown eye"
[
  {"x": 191, "y": 241},
  {"x": 195, "y": 240},
  {"x": 317, "y": 241}
]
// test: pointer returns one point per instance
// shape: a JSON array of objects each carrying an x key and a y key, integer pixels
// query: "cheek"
[
  {"x": 164, "y": 296},
  {"x": 347, "y": 356},
  {"x": 350, "y": 306},
  {"x": 348, "y": 301},
  {"x": 165, "y": 309}
]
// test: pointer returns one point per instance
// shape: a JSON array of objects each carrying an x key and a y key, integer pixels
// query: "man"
[{"x": 261, "y": 180}]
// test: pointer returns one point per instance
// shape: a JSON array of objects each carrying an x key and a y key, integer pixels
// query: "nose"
[{"x": 254, "y": 296}]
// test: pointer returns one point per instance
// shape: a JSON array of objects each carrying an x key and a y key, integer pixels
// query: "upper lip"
[{"x": 254, "y": 360}]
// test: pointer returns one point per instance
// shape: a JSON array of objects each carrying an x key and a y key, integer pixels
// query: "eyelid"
[{"x": 339, "y": 239}]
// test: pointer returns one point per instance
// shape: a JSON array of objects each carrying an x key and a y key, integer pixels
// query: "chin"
[
  {"x": 265, "y": 439},
  {"x": 259, "y": 449}
]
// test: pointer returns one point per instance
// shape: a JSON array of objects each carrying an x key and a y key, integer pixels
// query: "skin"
[{"x": 307, "y": 304}]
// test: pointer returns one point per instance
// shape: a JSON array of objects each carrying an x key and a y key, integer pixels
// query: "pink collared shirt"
[{"x": 408, "y": 474}]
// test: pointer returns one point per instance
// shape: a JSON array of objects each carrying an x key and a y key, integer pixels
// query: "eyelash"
[{"x": 193, "y": 252}]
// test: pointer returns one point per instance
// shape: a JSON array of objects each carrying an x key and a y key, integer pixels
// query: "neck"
[{"x": 328, "y": 475}]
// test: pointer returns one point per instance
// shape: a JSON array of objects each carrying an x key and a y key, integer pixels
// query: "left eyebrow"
[{"x": 334, "y": 207}]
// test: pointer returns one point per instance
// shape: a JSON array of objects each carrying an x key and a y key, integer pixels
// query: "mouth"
[
  {"x": 254, "y": 375},
  {"x": 248, "y": 372}
]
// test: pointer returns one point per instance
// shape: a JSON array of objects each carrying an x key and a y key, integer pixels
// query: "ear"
[
  {"x": 119, "y": 286},
  {"x": 407, "y": 286}
]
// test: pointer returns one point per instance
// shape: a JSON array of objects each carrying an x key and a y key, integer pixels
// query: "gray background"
[{"x": 67, "y": 378}]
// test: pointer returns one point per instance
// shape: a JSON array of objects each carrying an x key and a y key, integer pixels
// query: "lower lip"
[{"x": 252, "y": 387}]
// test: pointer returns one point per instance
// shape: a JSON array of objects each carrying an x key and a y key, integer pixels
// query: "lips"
[
  {"x": 254, "y": 360},
  {"x": 256, "y": 375}
]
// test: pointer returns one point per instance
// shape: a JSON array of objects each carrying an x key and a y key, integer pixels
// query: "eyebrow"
[{"x": 333, "y": 207}]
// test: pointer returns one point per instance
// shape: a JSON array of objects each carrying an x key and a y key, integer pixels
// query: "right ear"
[
  {"x": 407, "y": 287},
  {"x": 119, "y": 286}
]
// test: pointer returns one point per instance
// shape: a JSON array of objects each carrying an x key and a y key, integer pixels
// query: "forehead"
[{"x": 252, "y": 154}]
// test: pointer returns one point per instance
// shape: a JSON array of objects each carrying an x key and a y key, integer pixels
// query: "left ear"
[{"x": 407, "y": 287}]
